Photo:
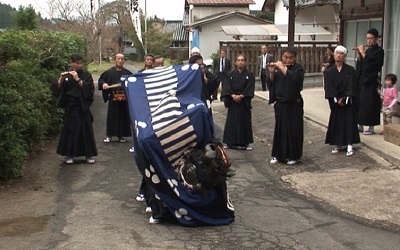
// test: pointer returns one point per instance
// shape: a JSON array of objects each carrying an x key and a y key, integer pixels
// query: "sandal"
[
  {"x": 90, "y": 160},
  {"x": 70, "y": 160},
  {"x": 153, "y": 221},
  {"x": 274, "y": 160},
  {"x": 350, "y": 153},
  {"x": 335, "y": 151},
  {"x": 140, "y": 198},
  {"x": 368, "y": 132}
]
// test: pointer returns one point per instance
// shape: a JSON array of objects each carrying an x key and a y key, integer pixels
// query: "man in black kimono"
[
  {"x": 75, "y": 95},
  {"x": 118, "y": 123},
  {"x": 237, "y": 93},
  {"x": 341, "y": 90},
  {"x": 287, "y": 78},
  {"x": 369, "y": 64},
  {"x": 210, "y": 83}
]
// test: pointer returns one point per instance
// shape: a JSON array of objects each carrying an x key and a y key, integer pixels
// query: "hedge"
[{"x": 29, "y": 61}]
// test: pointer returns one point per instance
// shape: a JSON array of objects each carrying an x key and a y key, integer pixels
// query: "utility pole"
[
  {"x": 292, "y": 9},
  {"x": 100, "y": 55},
  {"x": 145, "y": 26}
]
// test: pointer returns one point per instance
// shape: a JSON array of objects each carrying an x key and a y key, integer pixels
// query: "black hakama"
[
  {"x": 77, "y": 137},
  {"x": 238, "y": 129},
  {"x": 288, "y": 106},
  {"x": 118, "y": 122},
  {"x": 368, "y": 69},
  {"x": 342, "y": 127}
]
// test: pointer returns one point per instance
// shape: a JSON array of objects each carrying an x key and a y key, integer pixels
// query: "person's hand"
[
  {"x": 271, "y": 68},
  {"x": 360, "y": 48},
  {"x": 236, "y": 98},
  {"x": 105, "y": 86},
  {"x": 341, "y": 102},
  {"x": 74, "y": 75}
]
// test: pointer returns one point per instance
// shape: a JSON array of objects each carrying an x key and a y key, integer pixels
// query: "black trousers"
[{"x": 264, "y": 80}]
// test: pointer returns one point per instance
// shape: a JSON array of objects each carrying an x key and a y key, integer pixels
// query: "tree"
[
  {"x": 6, "y": 12},
  {"x": 158, "y": 42},
  {"x": 267, "y": 16},
  {"x": 26, "y": 18}
]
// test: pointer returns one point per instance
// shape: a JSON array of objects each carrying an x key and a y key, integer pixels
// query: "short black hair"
[
  {"x": 158, "y": 56},
  {"x": 245, "y": 59},
  {"x": 373, "y": 32},
  {"x": 149, "y": 54},
  {"x": 392, "y": 78},
  {"x": 76, "y": 57},
  {"x": 291, "y": 50},
  {"x": 193, "y": 59},
  {"x": 331, "y": 48}
]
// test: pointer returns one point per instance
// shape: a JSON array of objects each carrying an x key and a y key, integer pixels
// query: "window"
[{"x": 355, "y": 33}]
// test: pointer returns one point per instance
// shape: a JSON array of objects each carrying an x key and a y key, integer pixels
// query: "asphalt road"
[{"x": 93, "y": 206}]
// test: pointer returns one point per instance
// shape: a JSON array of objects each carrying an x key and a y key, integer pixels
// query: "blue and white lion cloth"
[{"x": 185, "y": 169}]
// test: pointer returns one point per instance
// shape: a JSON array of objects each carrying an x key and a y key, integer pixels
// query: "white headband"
[{"x": 341, "y": 48}]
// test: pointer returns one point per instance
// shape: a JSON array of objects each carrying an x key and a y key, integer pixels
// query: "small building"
[
  {"x": 309, "y": 13},
  {"x": 179, "y": 48},
  {"x": 207, "y": 32},
  {"x": 205, "y": 18}
]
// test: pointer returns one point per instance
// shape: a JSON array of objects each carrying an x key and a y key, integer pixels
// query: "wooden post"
[{"x": 292, "y": 9}]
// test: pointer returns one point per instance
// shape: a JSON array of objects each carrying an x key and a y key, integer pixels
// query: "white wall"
[
  {"x": 324, "y": 15},
  {"x": 200, "y": 12},
  {"x": 212, "y": 33}
]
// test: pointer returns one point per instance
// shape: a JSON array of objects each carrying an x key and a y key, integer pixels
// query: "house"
[
  {"x": 199, "y": 9},
  {"x": 180, "y": 36},
  {"x": 179, "y": 48},
  {"x": 206, "y": 17},
  {"x": 309, "y": 13},
  {"x": 207, "y": 32}
]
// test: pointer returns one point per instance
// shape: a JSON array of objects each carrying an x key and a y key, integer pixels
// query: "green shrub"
[
  {"x": 133, "y": 56},
  {"x": 29, "y": 61}
]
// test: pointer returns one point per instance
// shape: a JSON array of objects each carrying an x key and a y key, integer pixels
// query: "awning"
[{"x": 273, "y": 30}]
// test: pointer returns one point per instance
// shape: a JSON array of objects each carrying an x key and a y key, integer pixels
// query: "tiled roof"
[
  {"x": 220, "y": 2},
  {"x": 176, "y": 27}
]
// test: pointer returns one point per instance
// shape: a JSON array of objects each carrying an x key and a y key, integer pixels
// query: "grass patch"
[{"x": 97, "y": 69}]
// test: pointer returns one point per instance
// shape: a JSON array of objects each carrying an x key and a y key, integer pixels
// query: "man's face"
[
  {"x": 264, "y": 49},
  {"x": 76, "y": 66},
  {"x": 119, "y": 60},
  {"x": 148, "y": 61},
  {"x": 222, "y": 54},
  {"x": 371, "y": 40},
  {"x": 339, "y": 56},
  {"x": 288, "y": 58},
  {"x": 159, "y": 62},
  {"x": 240, "y": 62}
]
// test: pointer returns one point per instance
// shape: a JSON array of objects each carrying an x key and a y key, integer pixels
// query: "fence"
[
  {"x": 310, "y": 54},
  {"x": 178, "y": 54}
]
